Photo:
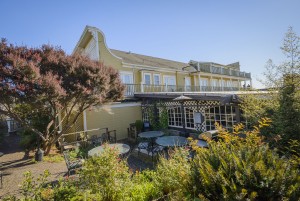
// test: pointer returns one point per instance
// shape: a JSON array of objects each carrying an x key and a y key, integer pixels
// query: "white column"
[
  {"x": 222, "y": 84},
  {"x": 84, "y": 120},
  {"x": 199, "y": 80}
]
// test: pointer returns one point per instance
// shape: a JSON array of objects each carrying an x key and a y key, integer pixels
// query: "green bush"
[
  {"x": 173, "y": 174},
  {"x": 240, "y": 169},
  {"x": 108, "y": 176},
  {"x": 28, "y": 140}
]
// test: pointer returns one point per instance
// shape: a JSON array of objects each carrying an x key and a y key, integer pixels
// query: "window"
[
  {"x": 175, "y": 117},
  {"x": 224, "y": 83},
  {"x": 229, "y": 83},
  {"x": 215, "y": 83},
  {"x": 147, "y": 79},
  {"x": 170, "y": 83},
  {"x": 187, "y": 83},
  {"x": 223, "y": 115},
  {"x": 203, "y": 82},
  {"x": 126, "y": 78},
  {"x": 189, "y": 118},
  {"x": 145, "y": 115},
  {"x": 156, "y": 79}
]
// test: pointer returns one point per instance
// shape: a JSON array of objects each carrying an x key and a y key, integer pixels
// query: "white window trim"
[
  {"x": 174, "y": 117},
  {"x": 127, "y": 73},
  {"x": 145, "y": 79}
]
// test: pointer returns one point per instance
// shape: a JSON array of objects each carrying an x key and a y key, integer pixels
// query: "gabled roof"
[{"x": 138, "y": 59}]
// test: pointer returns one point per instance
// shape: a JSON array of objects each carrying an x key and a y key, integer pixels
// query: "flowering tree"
[{"x": 46, "y": 82}]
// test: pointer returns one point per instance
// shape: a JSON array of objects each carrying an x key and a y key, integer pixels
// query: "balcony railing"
[
  {"x": 224, "y": 71},
  {"x": 131, "y": 89}
]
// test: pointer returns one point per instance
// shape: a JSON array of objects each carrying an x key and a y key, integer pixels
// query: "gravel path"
[{"x": 14, "y": 164}]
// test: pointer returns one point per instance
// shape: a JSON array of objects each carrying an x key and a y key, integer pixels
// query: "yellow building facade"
[{"x": 143, "y": 74}]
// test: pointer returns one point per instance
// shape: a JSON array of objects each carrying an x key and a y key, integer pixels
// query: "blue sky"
[{"x": 250, "y": 32}]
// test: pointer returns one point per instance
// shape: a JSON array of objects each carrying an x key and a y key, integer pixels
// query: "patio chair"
[
  {"x": 72, "y": 165},
  {"x": 146, "y": 126},
  {"x": 155, "y": 149},
  {"x": 143, "y": 144},
  {"x": 110, "y": 136},
  {"x": 96, "y": 141},
  {"x": 132, "y": 132}
]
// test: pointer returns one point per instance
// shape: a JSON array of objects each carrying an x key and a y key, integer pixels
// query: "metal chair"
[
  {"x": 155, "y": 149},
  {"x": 143, "y": 144},
  {"x": 96, "y": 141},
  {"x": 72, "y": 165},
  {"x": 110, "y": 136}
]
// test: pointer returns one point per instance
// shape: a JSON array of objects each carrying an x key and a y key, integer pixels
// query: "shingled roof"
[{"x": 138, "y": 59}]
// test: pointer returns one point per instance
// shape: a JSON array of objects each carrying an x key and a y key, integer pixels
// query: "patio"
[{"x": 15, "y": 163}]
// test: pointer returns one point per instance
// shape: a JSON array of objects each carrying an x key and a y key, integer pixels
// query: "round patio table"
[
  {"x": 122, "y": 149},
  {"x": 151, "y": 134},
  {"x": 202, "y": 143},
  {"x": 171, "y": 141}
]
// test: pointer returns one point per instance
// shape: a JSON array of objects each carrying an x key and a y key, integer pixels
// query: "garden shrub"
[
  {"x": 28, "y": 140},
  {"x": 244, "y": 168},
  {"x": 173, "y": 174},
  {"x": 108, "y": 176}
]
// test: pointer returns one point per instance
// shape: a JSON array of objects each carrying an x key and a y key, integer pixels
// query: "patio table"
[
  {"x": 172, "y": 141},
  {"x": 202, "y": 143},
  {"x": 151, "y": 134},
  {"x": 122, "y": 149}
]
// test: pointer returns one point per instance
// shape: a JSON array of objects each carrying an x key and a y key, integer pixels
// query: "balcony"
[
  {"x": 224, "y": 71},
  {"x": 131, "y": 89}
]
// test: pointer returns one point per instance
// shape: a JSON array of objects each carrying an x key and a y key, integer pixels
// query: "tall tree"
[
  {"x": 47, "y": 82},
  {"x": 285, "y": 78}
]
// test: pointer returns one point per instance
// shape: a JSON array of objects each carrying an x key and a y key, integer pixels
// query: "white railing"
[{"x": 131, "y": 89}]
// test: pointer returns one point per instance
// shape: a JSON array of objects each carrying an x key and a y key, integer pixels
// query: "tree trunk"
[{"x": 47, "y": 147}]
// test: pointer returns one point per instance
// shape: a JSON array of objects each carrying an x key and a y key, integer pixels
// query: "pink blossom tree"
[{"x": 36, "y": 81}]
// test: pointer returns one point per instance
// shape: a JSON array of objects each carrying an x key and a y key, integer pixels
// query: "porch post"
[{"x": 183, "y": 116}]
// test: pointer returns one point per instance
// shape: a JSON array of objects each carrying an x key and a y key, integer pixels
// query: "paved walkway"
[{"x": 15, "y": 163}]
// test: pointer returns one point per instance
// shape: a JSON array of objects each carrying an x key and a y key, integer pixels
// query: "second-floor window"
[
  {"x": 147, "y": 78},
  {"x": 203, "y": 82},
  {"x": 126, "y": 77},
  {"x": 187, "y": 83},
  {"x": 156, "y": 79},
  {"x": 215, "y": 83}
]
